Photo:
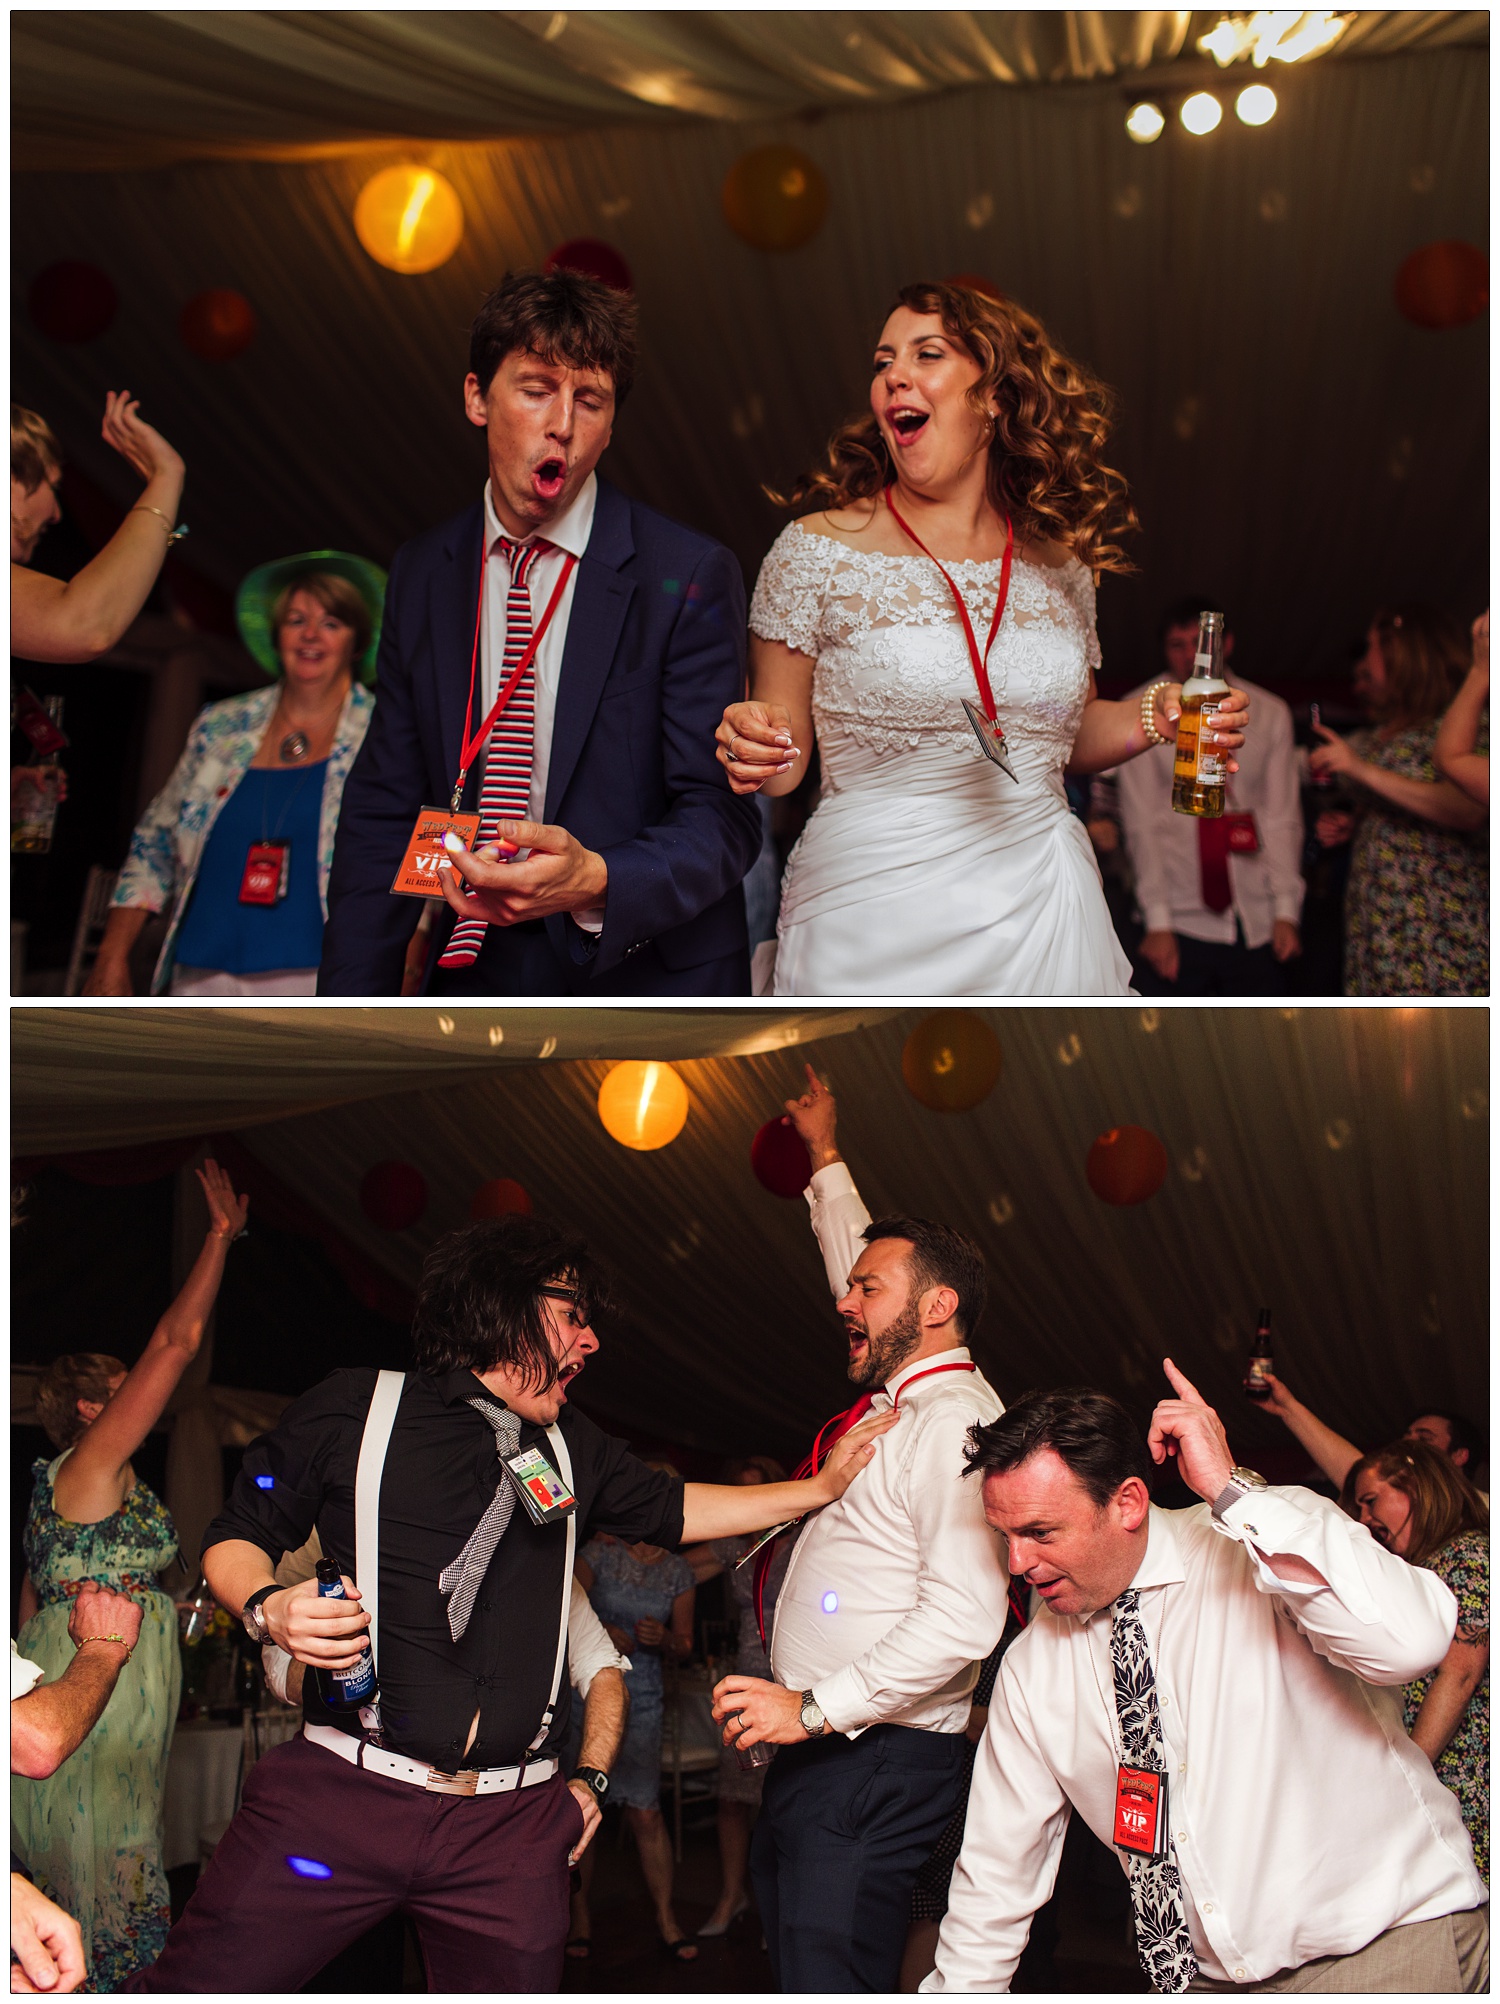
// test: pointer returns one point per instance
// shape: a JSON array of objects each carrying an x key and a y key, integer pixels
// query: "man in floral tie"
[{"x": 1217, "y": 1692}]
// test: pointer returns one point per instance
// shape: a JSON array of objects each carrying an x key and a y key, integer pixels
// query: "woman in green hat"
[{"x": 239, "y": 842}]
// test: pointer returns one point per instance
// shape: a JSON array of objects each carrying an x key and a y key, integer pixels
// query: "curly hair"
[
  {"x": 1443, "y": 1502},
  {"x": 83, "y": 1375},
  {"x": 1045, "y": 465}
]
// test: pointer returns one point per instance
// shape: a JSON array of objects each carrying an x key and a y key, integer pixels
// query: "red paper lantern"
[
  {"x": 972, "y": 282},
  {"x": 779, "y": 1157},
  {"x": 72, "y": 301},
  {"x": 1126, "y": 1165},
  {"x": 217, "y": 325},
  {"x": 393, "y": 1195},
  {"x": 592, "y": 259},
  {"x": 499, "y": 1198},
  {"x": 1443, "y": 285}
]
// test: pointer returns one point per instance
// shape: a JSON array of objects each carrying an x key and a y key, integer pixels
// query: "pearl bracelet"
[{"x": 1148, "y": 714}]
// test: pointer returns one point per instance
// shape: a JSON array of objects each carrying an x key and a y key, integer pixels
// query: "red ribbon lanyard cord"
[
  {"x": 979, "y": 662},
  {"x": 472, "y": 746}
]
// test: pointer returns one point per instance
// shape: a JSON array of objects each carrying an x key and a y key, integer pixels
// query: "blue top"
[
  {"x": 270, "y": 804},
  {"x": 624, "y": 1589}
]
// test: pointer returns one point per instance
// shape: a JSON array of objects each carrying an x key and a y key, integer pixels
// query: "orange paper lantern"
[
  {"x": 499, "y": 1198},
  {"x": 951, "y": 1060},
  {"x": 217, "y": 325},
  {"x": 1126, "y": 1165},
  {"x": 643, "y": 1105},
  {"x": 1443, "y": 285},
  {"x": 775, "y": 197}
]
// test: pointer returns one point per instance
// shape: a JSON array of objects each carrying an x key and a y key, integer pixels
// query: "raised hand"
[
  {"x": 556, "y": 875},
  {"x": 755, "y": 743},
  {"x": 226, "y": 1212},
  {"x": 1333, "y": 755},
  {"x": 145, "y": 448},
  {"x": 815, "y": 1117},
  {"x": 1188, "y": 1428}
]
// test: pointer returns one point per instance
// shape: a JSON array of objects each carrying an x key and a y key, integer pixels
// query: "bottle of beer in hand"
[
  {"x": 1260, "y": 1360},
  {"x": 1198, "y": 774},
  {"x": 345, "y": 1690}
]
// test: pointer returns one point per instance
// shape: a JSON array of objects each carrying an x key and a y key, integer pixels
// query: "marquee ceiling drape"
[
  {"x": 112, "y": 90},
  {"x": 1331, "y": 1163},
  {"x": 1295, "y": 448}
]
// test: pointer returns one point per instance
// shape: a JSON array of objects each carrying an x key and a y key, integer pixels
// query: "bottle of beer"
[
  {"x": 1261, "y": 1360},
  {"x": 1198, "y": 774},
  {"x": 345, "y": 1690}
]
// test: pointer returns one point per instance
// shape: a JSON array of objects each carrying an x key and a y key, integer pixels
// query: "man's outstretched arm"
[{"x": 839, "y": 1214}]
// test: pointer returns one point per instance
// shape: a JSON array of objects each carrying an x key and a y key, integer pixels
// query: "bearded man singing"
[{"x": 893, "y": 1596}]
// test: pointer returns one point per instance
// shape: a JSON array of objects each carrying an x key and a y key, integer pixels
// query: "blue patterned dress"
[
  {"x": 624, "y": 1589},
  {"x": 92, "y": 1834}
]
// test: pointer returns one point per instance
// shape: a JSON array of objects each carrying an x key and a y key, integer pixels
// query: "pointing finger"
[{"x": 1184, "y": 1387}]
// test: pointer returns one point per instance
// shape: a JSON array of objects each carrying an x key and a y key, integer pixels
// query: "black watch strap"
[
  {"x": 594, "y": 1778},
  {"x": 257, "y": 1629}
]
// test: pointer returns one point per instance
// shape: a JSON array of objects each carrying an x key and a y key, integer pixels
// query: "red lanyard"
[
  {"x": 472, "y": 746},
  {"x": 933, "y": 1371},
  {"x": 980, "y": 662}
]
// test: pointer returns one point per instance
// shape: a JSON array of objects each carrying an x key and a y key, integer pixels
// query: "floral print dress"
[
  {"x": 1463, "y": 1565},
  {"x": 92, "y": 1834},
  {"x": 1416, "y": 913}
]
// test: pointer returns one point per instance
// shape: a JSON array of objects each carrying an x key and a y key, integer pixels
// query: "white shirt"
[
  {"x": 1163, "y": 845},
  {"x": 1304, "y": 1820},
  {"x": 897, "y": 1592},
  {"x": 24, "y": 1674},
  {"x": 569, "y": 533}
]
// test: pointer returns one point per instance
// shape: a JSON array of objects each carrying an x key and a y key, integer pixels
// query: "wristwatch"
[
  {"x": 1242, "y": 1482},
  {"x": 593, "y": 1778},
  {"x": 252, "y": 1614},
  {"x": 813, "y": 1722}
]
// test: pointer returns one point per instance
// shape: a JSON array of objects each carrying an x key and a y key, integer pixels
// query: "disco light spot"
[
  {"x": 830, "y": 1602},
  {"x": 310, "y": 1868}
]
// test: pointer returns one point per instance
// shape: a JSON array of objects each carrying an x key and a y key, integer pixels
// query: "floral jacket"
[{"x": 169, "y": 840}]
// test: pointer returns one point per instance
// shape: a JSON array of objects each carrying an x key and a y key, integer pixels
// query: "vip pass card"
[
  {"x": 268, "y": 869},
  {"x": 1141, "y": 1812},
  {"x": 418, "y": 874},
  {"x": 546, "y": 1496}
]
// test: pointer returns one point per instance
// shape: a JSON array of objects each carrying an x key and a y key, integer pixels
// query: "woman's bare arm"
[
  {"x": 1449, "y": 1692},
  {"x": 90, "y": 1483},
  {"x": 765, "y": 743},
  {"x": 1112, "y": 732}
]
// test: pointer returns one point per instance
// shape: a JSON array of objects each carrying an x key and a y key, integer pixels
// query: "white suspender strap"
[
  {"x": 565, "y": 1470},
  {"x": 378, "y": 1423}
]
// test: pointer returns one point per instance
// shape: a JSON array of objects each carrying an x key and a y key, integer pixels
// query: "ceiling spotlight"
[
  {"x": 1272, "y": 37},
  {"x": 1145, "y": 123},
  {"x": 1256, "y": 105},
  {"x": 1201, "y": 112}
]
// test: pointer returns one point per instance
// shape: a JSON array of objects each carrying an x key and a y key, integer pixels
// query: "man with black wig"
[{"x": 452, "y": 1808}]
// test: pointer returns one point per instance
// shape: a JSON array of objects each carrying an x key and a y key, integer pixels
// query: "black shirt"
[{"x": 441, "y": 1471}]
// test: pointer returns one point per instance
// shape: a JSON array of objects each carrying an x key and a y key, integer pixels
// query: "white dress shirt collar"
[
  {"x": 1163, "y": 1564},
  {"x": 936, "y": 1361},
  {"x": 571, "y": 529}
]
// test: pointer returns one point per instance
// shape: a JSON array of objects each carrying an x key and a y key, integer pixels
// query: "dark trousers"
[
  {"x": 520, "y": 960},
  {"x": 844, "y": 1828},
  {"x": 1207, "y": 967},
  {"x": 484, "y": 1878}
]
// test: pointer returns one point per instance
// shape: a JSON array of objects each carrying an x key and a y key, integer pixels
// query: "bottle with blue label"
[{"x": 345, "y": 1690}]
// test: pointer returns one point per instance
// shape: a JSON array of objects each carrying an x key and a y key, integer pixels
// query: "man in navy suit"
[{"x": 610, "y": 852}]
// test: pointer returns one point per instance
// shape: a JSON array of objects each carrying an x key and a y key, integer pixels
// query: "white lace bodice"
[{"x": 892, "y": 663}]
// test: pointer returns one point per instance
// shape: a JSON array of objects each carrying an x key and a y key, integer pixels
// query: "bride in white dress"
[{"x": 927, "y": 869}]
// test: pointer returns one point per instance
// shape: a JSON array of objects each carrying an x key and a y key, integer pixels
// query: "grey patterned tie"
[
  {"x": 1161, "y": 1931},
  {"x": 461, "y": 1579}
]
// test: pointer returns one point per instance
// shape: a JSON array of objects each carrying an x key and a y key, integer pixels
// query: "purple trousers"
[{"x": 484, "y": 1878}]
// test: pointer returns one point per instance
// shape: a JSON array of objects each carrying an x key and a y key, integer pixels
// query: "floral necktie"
[{"x": 1161, "y": 1930}]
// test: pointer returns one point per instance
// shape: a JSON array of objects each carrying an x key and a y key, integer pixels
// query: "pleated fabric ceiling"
[
  {"x": 1297, "y": 449},
  {"x": 1330, "y": 1163}
]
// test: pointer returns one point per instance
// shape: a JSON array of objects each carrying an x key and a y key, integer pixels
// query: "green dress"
[
  {"x": 92, "y": 1834},
  {"x": 1417, "y": 910},
  {"x": 1463, "y": 1565}
]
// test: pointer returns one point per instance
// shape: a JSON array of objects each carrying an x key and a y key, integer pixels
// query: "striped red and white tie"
[{"x": 508, "y": 756}]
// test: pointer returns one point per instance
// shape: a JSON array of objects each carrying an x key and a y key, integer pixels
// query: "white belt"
[{"x": 396, "y": 1767}]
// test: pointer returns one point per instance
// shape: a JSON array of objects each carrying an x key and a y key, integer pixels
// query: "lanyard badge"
[
  {"x": 982, "y": 716},
  {"x": 268, "y": 869},
  {"x": 418, "y": 874},
  {"x": 546, "y": 1496},
  {"x": 1141, "y": 1812}
]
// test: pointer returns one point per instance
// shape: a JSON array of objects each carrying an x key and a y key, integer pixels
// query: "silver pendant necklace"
[{"x": 294, "y": 746}]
